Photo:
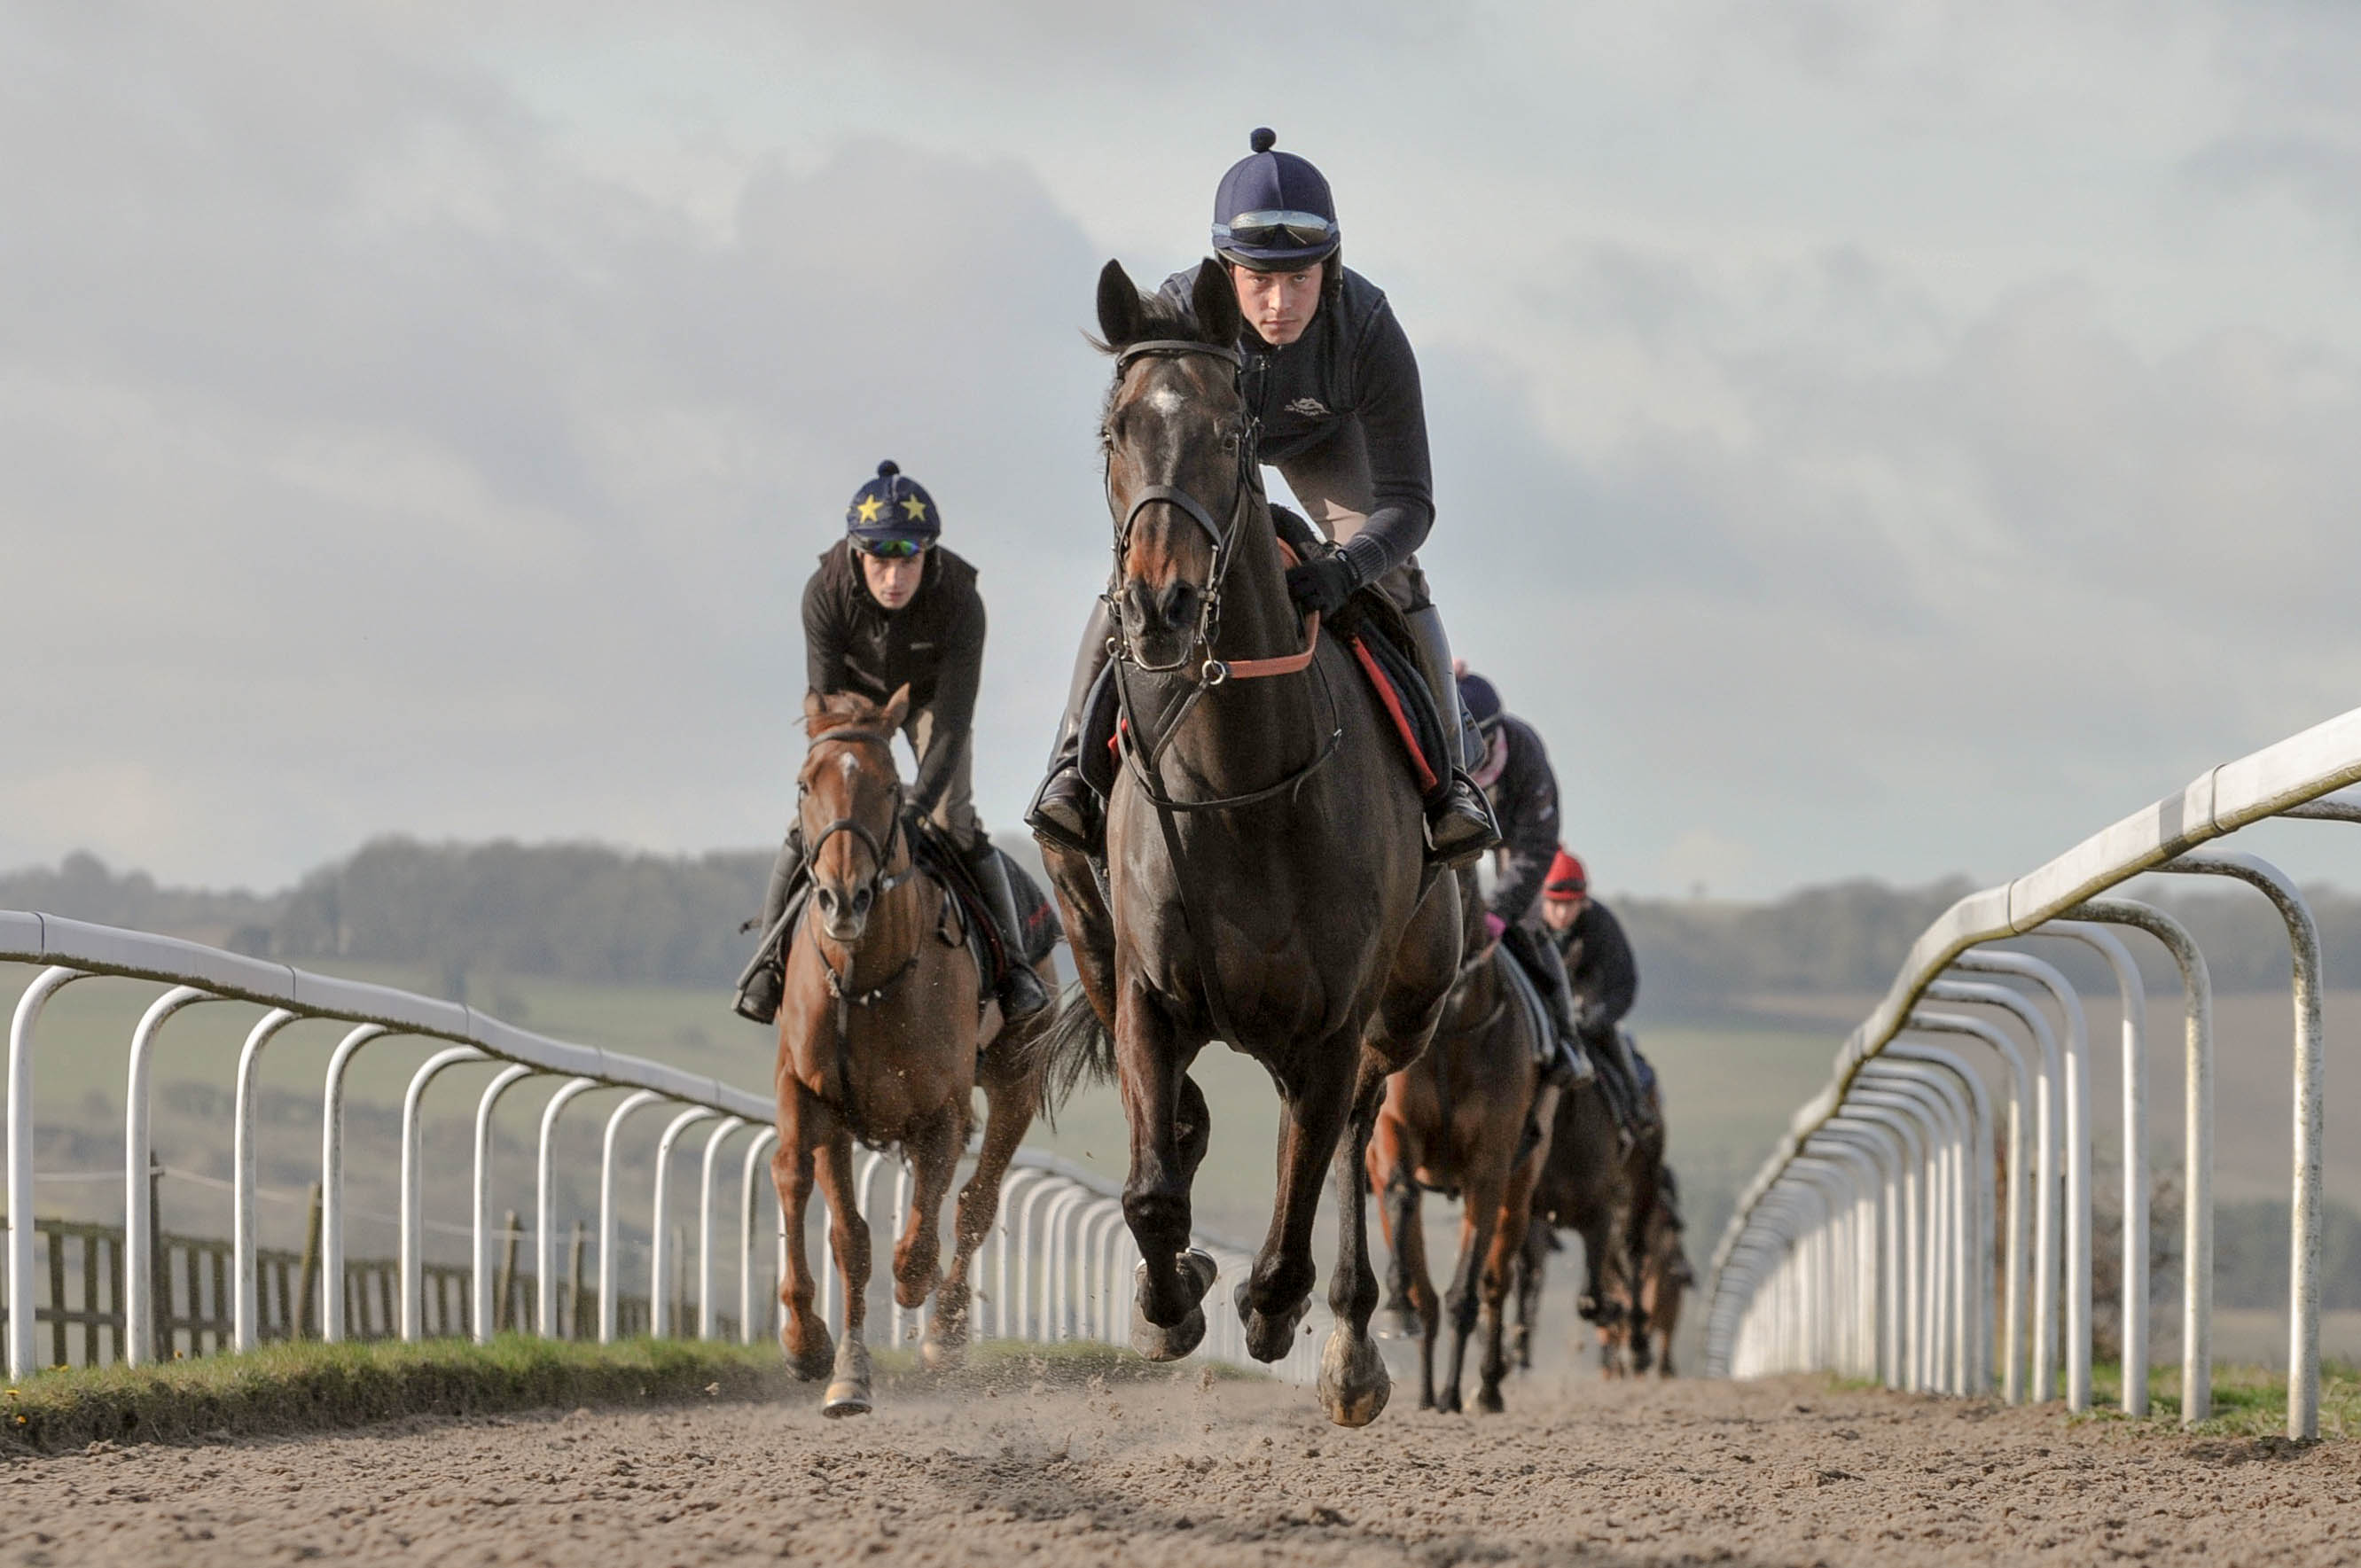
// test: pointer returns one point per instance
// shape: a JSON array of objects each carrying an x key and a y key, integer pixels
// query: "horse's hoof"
[
  {"x": 941, "y": 1355},
  {"x": 813, "y": 1362},
  {"x": 1269, "y": 1337},
  {"x": 1157, "y": 1342},
  {"x": 1353, "y": 1381},
  {"x": 1398, "y": 1322},
  {"x": 849, "y": 1394},
  {"x": 1449, "y": 1403},
  {"x": 1489, "y": 1400}
]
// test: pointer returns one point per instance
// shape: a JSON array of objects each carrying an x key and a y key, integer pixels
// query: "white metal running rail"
[
  {"x": 1868, "y": 1242},
  {"x": 1072, "y": 1255}
]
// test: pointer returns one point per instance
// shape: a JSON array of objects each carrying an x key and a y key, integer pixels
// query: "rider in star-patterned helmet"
[{"x": 890, "y": 607}]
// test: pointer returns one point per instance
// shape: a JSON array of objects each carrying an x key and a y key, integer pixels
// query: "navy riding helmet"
[
  {"x": 891, "y": 514},
  {"x": 1482, "y": 702},
  {"x": 1273, "y": 212}
]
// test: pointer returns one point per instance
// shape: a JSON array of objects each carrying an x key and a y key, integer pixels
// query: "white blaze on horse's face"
[{"x": 1166, "y": 428}]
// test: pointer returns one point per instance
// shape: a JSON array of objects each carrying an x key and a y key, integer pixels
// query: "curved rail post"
[
  {"x": 1028, "y": 1324},
  {"x": 1973, "y": 1104},
  {"x": 1833, "y": 1341},
  {"x": 332, "y": 1180},
  {"x": 609, "y": 1274},
  {"x": 659, "y": 1253},
  {"x": 1095, "y": 1286},
  {"x": 1871, "y": 1130},
  {"x": 1947, "y": 1261},
  {"x": 901, "y": 1316},
  {"x": 709, "y": 1321},
  {"x": 2134, "y": 1273},
  {"x": 245, "y": 1309},
  {"x": 1055, "y": 1290},
  {"x": 1883, "y": 1152},
  {"x": 481, "y": 1280},
  {"x": 1019, "y": 1177},
  {"x": 2014, "y": 1241},
  {"x": 1904, "y": 1115},
  {"x": 2048, "y": 1098},
  {"x": 2303, "y": 1239},
  {"x": 414, "y": 1205},
  {"x": 1994, "y": 960},
  {"x": 544, "y": 1241},
  {"x": 2197, "y": 1146},
  {"x": 1110, "y": 1277},
  {"x": 140, "y": 1285},
  {"x": 865, "y": 1204},
  {"x": 24, "y": 1354},
  {"x": 766, "y": 1141}
]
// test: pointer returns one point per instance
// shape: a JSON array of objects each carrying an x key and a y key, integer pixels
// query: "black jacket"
[
  {"x": 1599, "y": 965},
  {"x": 1353, "y": 365},
  {"x": 934, "y": 644},
  {"x": 1524, "y": 798}
]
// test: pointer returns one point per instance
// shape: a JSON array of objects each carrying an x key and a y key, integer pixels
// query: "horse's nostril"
[
  {"x": 861, "y": 900},
  {"x": 827, "y": 898}
]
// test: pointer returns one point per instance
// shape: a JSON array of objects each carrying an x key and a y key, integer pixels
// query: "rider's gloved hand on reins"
[{"x": 1325, "y": 584}]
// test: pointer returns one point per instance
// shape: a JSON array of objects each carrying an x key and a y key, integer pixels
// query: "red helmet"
[{"x": 1567, "y": 878}]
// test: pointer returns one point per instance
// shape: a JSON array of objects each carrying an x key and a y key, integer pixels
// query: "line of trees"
[{"x": 588, "y": 912}]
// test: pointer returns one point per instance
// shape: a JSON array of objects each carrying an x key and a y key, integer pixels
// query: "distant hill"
[{"x": 592, "y": 913}]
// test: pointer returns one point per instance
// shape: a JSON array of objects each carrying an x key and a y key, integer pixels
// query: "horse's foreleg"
[
  {"x": 1501, "y": 1265},
  {"x": 802, "y": 1335},
  {"x": 1277, "y": 1293},
  {"x": 1008, "y": 1113},
  {"x": 1413, "y": 1305},
  {"x": 1168, "y": 1130},
  {"x": 934, "y": 1165},
  {"x": 1533, "y": 1266},
  {"x": 848, "y": 1235},
  {"x": 1478, "y": 1211},
  {"x": 1353, "y": 1381}
]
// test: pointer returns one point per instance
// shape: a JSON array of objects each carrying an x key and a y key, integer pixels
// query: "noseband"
[
  {"x": 1211, "y": 672},
  {"x": 881, "y": 854}
]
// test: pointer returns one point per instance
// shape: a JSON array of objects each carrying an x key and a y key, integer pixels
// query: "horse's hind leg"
[
  {"x": 802, "y": 1335},
  {"x": 1009, "y": 1105},
  {"x": 1414, "y": 1292},
  {"x": 1169, "y": 1128},
  {"x": 849, "y": 1389},
  {"x": 1516, "y": 1211},
  {"x": 1353, "y": 1381}
]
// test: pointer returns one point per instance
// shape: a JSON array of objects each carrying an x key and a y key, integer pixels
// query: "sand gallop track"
[{"x": 1144, "y": 1472}]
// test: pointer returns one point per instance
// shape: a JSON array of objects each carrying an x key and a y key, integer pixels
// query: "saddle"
[{"x": 1371, "y": 625}]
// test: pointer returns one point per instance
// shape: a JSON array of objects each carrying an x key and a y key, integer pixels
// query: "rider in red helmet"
[
  {"x": 1605, "y": 979},
  {"x": 890, "y": 607},
  {"x": 1329, "y": 374}
]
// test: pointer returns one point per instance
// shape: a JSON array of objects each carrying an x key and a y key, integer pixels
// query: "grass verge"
[
  {"x": 294, "y": 1388},
  {"x": 2248, "y": 1401}
]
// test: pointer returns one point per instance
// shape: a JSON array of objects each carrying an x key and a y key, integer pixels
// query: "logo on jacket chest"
[{"x": 1311, "y": 408}]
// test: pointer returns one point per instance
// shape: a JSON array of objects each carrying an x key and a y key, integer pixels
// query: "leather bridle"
[{"x": 880, "y": 880}]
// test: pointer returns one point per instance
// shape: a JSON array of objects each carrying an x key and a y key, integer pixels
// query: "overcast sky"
[{"x": 1870, "y": 438}]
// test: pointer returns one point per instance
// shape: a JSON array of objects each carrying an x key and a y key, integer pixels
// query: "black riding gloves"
[{"x": 1325, "y": 584}]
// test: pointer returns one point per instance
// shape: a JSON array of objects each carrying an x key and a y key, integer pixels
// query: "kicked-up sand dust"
[{"x": 1162, "y": 1469}]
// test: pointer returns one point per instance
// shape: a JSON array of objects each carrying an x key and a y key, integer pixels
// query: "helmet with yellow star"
[{"x": 892, "y": 515}]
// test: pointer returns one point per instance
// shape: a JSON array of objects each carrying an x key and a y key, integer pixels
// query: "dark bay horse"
[
  {"x": 1265, "y": 876},
  {"x": 1451, "y": 1121},
  {"x": 1599, "y": 1184},
  {"x": 881, "y": 1022},
  {"x": 1664, "y": 1276}
]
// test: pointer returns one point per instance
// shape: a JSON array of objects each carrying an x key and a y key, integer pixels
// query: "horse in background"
[
  {"x": 1264, "y": 880},
  {"x": 1665, "y": 1275},
  {"x": 887, "y": 1026},
  {"x": 1455, "y": 1122},
  {"x": 1601, "y": 1185}
]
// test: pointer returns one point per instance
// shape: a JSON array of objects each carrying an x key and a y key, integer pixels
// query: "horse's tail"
[{"x": 1074, "y": 1050}]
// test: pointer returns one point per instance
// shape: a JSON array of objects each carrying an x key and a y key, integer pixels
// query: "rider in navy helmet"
[
  {"x": 889, "y": 607},
  {"x": 1329, "y": 373}
]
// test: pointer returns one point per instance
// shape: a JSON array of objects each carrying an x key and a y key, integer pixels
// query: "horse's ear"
[
  {"x": 1122, "y": 321},
  {"x": 815, "y": 706},
  {"x": 1215, "y": 300},
  {"x": 897, "y": 709}
]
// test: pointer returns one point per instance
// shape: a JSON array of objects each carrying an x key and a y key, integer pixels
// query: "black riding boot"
[
  {"x": 1021, "y": 994},
  {"x": 1644, "y": 1118},
  {"x": 1065, "y": 811},
  {"x": 759, "y": 986},
  {"x": 1567, "y": 1064},
  {"x": 1459, "y": 823},
  {"x": 1617, "y": 1079}
]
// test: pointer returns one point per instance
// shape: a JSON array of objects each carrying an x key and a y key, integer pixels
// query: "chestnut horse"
[
  {"x": 1265, "y": 876},
  {"x": 881, "y": 1023},
  {"x": 1453, "y": 1121}
]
